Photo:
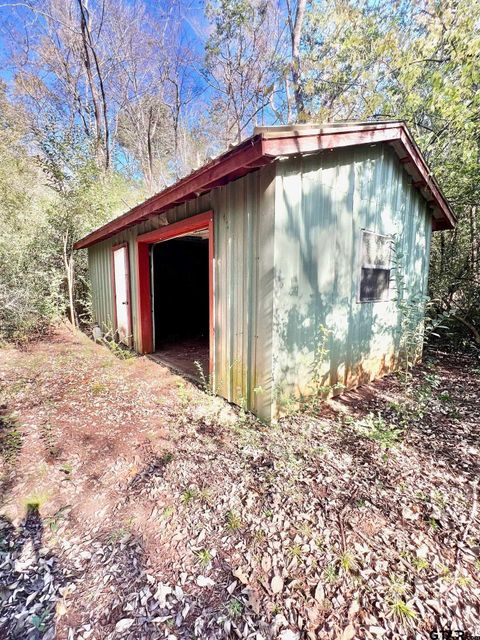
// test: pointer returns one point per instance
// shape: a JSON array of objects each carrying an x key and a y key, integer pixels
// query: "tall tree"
[
  {"x": 296, "y": 17},
  {"x": 242, "y": 63}
]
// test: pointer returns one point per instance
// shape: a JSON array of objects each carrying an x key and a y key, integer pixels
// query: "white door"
[{"x": 122, "y": 293}]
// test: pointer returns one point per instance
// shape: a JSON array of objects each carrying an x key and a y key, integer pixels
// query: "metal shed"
[{"x": 285, "y": 233}]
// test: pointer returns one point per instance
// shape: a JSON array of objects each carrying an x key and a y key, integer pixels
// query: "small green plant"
[
  {"x": 259, "y": 536},
  {"x": 98, "y": 388},
  {"x": 445, "y": 397},
  {"x": 422, "y": 496},
  {"x": 183, "y": 393},
  {"x": 442, "y": 570},
  {"x": 166, "y": 458},
  {"x": 296, "y": 551},
  {"x": 320, "y": 353},
  {"x": 35, "y": 501},
  {"x": 168, "y": 512},
  {"x": 118, "y": 534},
  {"x": 330, "y": 572},
  {"x": 397, "y": 587},
  {"x": 348, "y": 563},
  {"x": 39, "y": 621},
  {"x": 305, "y": 529},
  {"x": 320, "y": 542},
  {"x": 433, "y": 524},
  {"x": 439, "y": 499},
  {"x": 190, "y": 494},
  {"x": 397, "y": 592},
  {"x": 244, "y": 416},
  {"x": 420, "y": 564},
  {"x": 205, "y": 495},
  {"x": 10, "y": 439},
  {"x": 287, "y": 402},
  {"x": 54, "y": 522},
  {"x": 464, "y": 580},
  {"x": 67, "y": 470},
  {"x": 47, "y": 435},
  {"x": 234, "y": 522},
  {"x": 375, "y": 428},
  {"x": 118, "y": 349},
  {"x": 234, "y": 608},
  {"x": 205, "y": 381},
  {"x": 204, "y": 557},
  {"x": 403, "y": 612}
]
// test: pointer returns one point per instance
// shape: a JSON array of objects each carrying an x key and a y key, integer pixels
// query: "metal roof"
[{"x": 269, "y": 143}]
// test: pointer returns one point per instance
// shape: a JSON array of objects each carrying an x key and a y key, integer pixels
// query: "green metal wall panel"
[
  {"x": 243, "y": 283},
  {"x": 322, "y": 203},
  {"x": 287, "y": 241}
]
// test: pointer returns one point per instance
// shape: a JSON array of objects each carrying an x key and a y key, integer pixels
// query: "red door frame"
[
  {"x": 115, "y": 247},
  {"x": 144, "y": 297}
]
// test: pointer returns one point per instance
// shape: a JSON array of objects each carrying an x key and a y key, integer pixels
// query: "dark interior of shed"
[{"x": 181, "y": 302}]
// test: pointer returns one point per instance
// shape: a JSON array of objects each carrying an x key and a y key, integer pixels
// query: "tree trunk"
[
  {"x": 296, "y": 34},
  {"x": 150, "y": 151},
  {"x": 68, "y": 263},
  {"x": 473, "y": 330},
  {"x": 473, "y": 237},
  {"x": 101, "y": 118}
]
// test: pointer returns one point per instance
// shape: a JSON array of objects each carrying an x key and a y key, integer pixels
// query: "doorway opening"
[{"x": 181, "y": 301}]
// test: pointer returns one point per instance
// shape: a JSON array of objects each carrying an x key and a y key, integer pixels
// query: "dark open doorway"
[{"x": 180, "y": 286}]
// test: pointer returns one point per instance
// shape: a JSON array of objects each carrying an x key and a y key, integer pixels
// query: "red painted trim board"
[{"x": 143, "y": 276}]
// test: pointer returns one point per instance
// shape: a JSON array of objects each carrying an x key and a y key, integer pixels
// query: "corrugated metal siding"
[
  {"x": 243, "y": 275},
  {"x": 287, "y": 241},
  {"x": 322, "y": 203}
]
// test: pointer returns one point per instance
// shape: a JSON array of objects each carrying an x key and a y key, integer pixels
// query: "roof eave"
[
  {"x": 235, "y": 162},
  {"x": 395, "y": 134},
  {"x": 268, "y": 144}
]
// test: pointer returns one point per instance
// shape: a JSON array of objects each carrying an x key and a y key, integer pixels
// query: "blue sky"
[{"x": 195, "y": 27}]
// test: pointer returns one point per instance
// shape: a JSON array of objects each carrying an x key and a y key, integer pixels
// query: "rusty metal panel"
[{"x": 322, "y": 204}]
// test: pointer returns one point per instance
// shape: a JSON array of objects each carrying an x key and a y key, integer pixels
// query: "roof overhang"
[{"x": 269, "y": 143}]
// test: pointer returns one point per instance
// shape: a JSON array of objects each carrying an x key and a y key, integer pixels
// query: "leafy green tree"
[
  {"x": 419, "y": 62},
  {"x": 48, "y": 200}
]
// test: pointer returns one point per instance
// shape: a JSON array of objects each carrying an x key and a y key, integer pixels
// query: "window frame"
[{"x": 362, "y": 266}]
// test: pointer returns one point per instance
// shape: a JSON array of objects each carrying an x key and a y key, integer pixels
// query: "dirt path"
[{"x": 135, "y": 505}]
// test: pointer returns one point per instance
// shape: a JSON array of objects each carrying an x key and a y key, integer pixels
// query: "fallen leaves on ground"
[{"x": 136, "y": 506}]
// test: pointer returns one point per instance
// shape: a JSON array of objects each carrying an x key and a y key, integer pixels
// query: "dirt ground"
[{"x": 134, "y": 505}]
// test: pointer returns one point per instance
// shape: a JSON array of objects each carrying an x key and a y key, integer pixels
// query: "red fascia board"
[
  {"x": 248, "y": 153},
  {"x": 176, "y": 229},
  {"x": 144, "y": 297},
  {"x": 275, "y": 147},
  {"x": 439, "y": 200}
]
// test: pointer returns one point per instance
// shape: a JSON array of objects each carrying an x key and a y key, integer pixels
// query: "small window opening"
[{"x": 375, "y": 267}]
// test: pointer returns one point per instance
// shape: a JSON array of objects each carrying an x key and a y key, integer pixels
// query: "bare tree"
[
  {"x": 295, "y": 16},
  {"x": 242, "y": 63},
  {"x": 98, "y": 94}
]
